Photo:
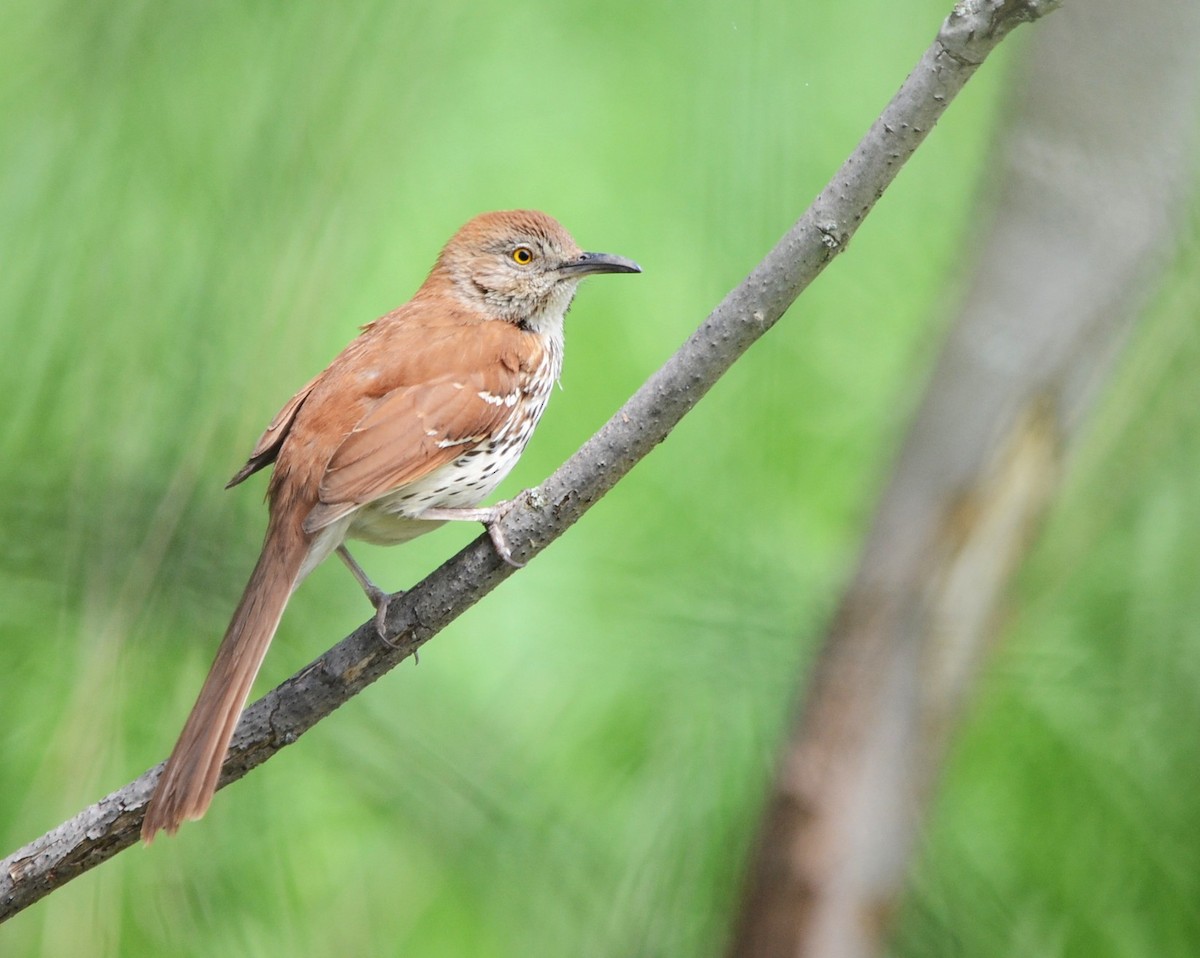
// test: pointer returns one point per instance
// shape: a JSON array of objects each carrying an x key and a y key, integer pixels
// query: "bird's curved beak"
[{"x": 588, "y": 263}]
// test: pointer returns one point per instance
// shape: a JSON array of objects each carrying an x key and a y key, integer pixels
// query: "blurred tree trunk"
[{"x": 1093, "y": 165}]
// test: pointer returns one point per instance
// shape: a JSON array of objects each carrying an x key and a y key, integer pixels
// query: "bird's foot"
[
  {"x": 381, "y": 601},
  {"x": 490, "y": 516},
  {"x": 375, "y": 595}
]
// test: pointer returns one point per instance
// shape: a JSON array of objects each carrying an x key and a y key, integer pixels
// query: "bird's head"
[{"x": 519, "y": 266}]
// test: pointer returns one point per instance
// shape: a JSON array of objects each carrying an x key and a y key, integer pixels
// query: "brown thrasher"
[{"x": 414, "y": 423}]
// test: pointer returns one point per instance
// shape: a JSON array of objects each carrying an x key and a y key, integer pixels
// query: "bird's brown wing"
[
  {"x": 408, "y": 433},
  {"x": 267, "y": 447}
]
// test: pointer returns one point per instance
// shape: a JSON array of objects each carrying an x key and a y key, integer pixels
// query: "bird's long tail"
[{"x": 188, "y": 782}]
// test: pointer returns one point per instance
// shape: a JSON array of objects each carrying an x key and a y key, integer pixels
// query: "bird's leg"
[
  {"x": 375, "y": 595},
  {"x": 490, "y": 516}
]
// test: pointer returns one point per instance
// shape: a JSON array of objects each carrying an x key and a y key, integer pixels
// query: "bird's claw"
[
  {"x": 492, "y": 523},
  {"x": 381, "y": 601},
  {"x": 496, "y": 534}
]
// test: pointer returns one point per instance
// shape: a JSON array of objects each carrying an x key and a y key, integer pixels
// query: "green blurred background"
[{"x": 199, "y": 203}]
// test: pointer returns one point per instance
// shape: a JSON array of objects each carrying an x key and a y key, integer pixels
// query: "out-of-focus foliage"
[{"x": 199, "y": 204}]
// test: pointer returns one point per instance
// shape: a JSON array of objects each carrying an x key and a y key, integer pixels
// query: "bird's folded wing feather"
[
  {"x": 267, "y": 447},
  {"x": 408, "y": 433}
]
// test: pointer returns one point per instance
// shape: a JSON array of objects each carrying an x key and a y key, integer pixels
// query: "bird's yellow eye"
[{"x": 522, "y": 256}]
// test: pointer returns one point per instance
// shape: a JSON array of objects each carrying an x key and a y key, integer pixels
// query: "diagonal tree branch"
[{"x": 973, "y": 29}]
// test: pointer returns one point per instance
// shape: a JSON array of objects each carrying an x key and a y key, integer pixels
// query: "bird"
[{"x": 412, "y": 425}]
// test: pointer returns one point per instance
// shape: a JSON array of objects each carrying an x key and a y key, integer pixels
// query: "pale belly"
[{"x": 463, "y": 483}]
